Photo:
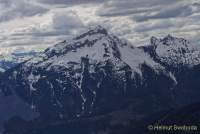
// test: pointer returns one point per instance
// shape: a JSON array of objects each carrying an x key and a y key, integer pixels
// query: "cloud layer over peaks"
[{"x": 38, "y": 24}]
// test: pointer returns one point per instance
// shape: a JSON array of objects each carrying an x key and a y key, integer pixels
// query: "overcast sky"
[{"x": 37, "y": 24}]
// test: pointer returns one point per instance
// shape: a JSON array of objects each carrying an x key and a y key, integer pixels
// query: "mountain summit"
[{"x": 174, "y": 51}]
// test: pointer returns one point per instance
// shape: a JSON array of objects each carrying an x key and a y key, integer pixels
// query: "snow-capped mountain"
[
  {"x": 96, "y": 45},
  {"x": 172, "y": 51},
  {"x": 98, "y": 77},
  {"x": 89, "y": 71},
  {"x": 8, "y": 61}
]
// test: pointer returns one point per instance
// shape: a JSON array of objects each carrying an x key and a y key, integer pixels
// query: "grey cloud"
[
  {"x": 144, "y": 10},
  {"x": 127, "y": 7},
  {"x": 12, "y": 41},
  {"x": 67, "y": 20},
  {"x": 169, "y": 12},
  {"x": 110, "y": 12},
  {"x": 136, "y": 20},
  {"x": 144, "y": 27},
  {"x": 19, "y": 9},
  {"x": 69, "y": 2},
  {"x": 40, "y": 33},
  {"x": 63, "y": 25},
  {"x": 165, "y": 17},
  {"x": 139, "y": 3},
  {"x": 4, "y": 3}
]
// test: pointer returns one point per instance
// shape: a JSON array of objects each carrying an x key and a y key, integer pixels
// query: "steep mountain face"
[
  {"x": 12, "y": 106},
  {"x": 98, "y": 83},
  {"x": 182, "y": 59}
]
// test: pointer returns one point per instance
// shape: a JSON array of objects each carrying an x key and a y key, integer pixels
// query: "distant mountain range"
[
  {"x": 98, "y": 83},
  {"x": 8, "y": 61}
]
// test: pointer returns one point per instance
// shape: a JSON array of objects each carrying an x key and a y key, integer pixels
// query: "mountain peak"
[
  {"x": 168, "y": 37},
  {"x": 86, "y": 39},
  {"x": 99, "y": 29},
  {"x": 175, "y": 51},
  {"x": 153, "y": 40},
  {"x": 93, "y": 31},
  {"x": 169, "y": 40}
]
